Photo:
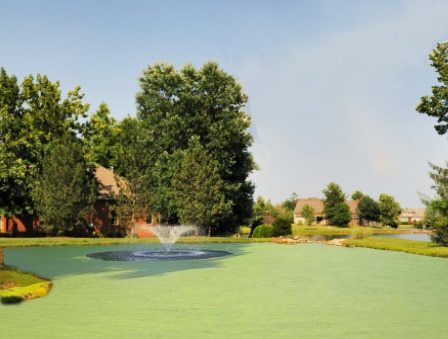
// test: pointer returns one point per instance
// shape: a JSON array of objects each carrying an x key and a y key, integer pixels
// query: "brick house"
[
  {"x": 103, "y": 219},
  {"x": 318, "y": 206}
]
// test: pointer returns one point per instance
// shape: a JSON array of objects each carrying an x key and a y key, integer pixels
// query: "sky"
[{"x": 332, "y": 84}]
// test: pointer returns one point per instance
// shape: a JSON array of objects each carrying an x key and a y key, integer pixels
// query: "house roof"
[
  {"x": 318, "y": 205},
  {"x": 107, "y": 183},
  {"x": 353, "y": 205},
  {"x": 413, "y": 213}
]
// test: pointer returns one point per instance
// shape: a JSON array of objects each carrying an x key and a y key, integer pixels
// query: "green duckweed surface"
[{"x": 261, "y": 291}]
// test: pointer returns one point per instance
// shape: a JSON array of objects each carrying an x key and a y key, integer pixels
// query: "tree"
[
  {"x": 291, "y": 202},
  {"x": 389, "y": 210},
  {"x": 175, "y": 106},
  {"x": 65, "y": 191},
  {"x": 436, "y": 105},
  {"x": 368, "y": 209},
  {"x": 198, "y": 188},
  {"x": 357, "y": 195},
  {"x": 32, "y": 115},
  {"x": 334, "y": 198},
  {"x": 282, "y": 226},
  {"x": 308, "y": 213},
  {"x": 341, "y": 215},
  {"x": 436, "y": 214},
  {"x": 133, "y": 170},
  {"x": 102, "y": 134}
]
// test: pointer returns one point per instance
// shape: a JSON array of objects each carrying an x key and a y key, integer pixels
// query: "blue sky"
[{"x": 332, "y": 85}]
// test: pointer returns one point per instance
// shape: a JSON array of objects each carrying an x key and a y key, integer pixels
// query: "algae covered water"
[{"x": 297, "y": 291}]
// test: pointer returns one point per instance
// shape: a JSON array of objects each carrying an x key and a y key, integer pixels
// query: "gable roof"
[
  {"x": 315, "y": 203},
  {"x": 318, "y": 205},
  {"x": 108, "y": 186}
]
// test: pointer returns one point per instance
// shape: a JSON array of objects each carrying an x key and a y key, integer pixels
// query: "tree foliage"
[
  {"x": 282, "y": 226},
  {"x": 65, "y": 191},
  {"x": 175, "y": 106},
  {"x": 335, "y": 208},
  {"x": 368, "y": 209},
  {"x": 389, "y": 210},
  {"x": 136, "y": 197},
  {"x": 32, "y": 115},
  {"x": 436, "y": 213},
  {"x": 341, "y": 215},
  {"x": 198, "y": 188},
  {"x": 436, "y": 105},
  {"x": 357, "y": 195},
  {"x": 307, "y": 212}
]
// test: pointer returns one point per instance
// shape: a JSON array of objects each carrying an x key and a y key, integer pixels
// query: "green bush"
[
  {"x": 263, "y": 231},
  {"x": 282, "y": 226},
  {"x": 359, "y": 233}
]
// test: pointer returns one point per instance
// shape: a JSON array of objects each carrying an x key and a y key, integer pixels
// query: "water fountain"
[{"x": 167, "y": 235}]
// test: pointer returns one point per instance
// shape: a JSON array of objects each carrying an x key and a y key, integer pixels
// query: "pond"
[
  {"x": 310, "y": 291},
  {"x": 408, "y": 236}
]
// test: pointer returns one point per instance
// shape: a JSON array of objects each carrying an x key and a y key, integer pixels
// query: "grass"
[
  {"x": 16, "y": 286},
  {"x": 400, "y": 245},
  {"x": 334, "y": 230}
]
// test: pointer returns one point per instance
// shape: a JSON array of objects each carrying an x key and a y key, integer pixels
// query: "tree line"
[
  {"x": 385, "y": 211},
  {"x": 184, "y": 156}
]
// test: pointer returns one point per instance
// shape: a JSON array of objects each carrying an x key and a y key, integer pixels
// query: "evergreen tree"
[
  {"x": 198, "y": 188},
  {"x": 335, "y": 208},
  {"x": 65, "y": 191}
]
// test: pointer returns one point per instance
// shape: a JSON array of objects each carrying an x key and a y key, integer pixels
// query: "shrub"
[
  {"x": 359, "y": 233},
  {"x": 263, "y": 231},
  {"x": 282, "y": 226},
  {"x": 244, "y": 229}
]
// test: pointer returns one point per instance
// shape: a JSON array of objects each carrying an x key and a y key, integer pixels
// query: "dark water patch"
[{"x": 157, "y": 255}]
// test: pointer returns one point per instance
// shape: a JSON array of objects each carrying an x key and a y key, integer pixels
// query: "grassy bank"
[
  {"x": 400, "y": 245},
  {"x": 16, "y": 286}
]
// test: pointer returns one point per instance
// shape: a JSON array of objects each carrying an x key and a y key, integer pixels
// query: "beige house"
[
  {"x": 318, "y": 206},
  {"x": 412, "y": 215}
]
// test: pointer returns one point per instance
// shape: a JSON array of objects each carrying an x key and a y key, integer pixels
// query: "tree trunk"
[{"x": 2, "y": 259}]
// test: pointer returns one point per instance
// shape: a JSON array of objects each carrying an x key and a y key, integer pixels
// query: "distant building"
[
  {"x": 412, "y": 215},
  {"x": 318, "y": 206}
]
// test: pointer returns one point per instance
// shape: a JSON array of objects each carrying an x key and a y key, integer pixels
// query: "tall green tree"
[
  {"x": 368, "y": 210},
  {"x": 436, "y": 213},
  {"x": 335, "y": 208},
  {"x": 208, "y": 103},
  {"x": 436, "y": 105},
  {"x": 198, "y": 188},
  {"x": 65, "y": 190},
  {"x": 133, "y": 170},
  {"x": 32, "y": 115},
  {"x": 102, "y": 134},
  {"x": 389, "y": 210}
]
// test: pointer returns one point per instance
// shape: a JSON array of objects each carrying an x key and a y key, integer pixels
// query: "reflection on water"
[{"x": 413, "y": 236}]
